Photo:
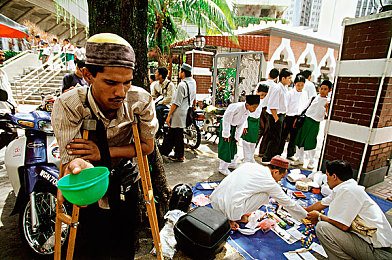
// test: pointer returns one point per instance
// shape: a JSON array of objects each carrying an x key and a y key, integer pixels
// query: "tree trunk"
[{"x": 127, "y": 18}]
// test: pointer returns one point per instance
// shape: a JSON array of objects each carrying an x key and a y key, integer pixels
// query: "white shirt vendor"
[
  {"x": 236, "y": 114},
  {"x": 348, "y": 200},
  {"x": 249, "y": 187},
  {"x": 277, "y": 99}
]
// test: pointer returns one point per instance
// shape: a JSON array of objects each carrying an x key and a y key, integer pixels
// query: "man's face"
[
  {"x": 331, "y": 180},
  {"x": 261, "y": 94},
  {"x": 323, "y": 90},
  {"x": 251, "y": 108},
  {"x": 277, "y": 176},
  {"x": 299, "y": 86},
  {"x": 110, "y": 87},
  {"x": 157, "y": 75},
  {"x": 286, "y": 81},
  {"x": 2, "y": 57},
  {"x": 182, "y": 75}
]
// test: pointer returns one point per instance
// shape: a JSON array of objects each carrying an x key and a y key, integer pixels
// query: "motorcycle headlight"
[{"x": 45, "y": 126}]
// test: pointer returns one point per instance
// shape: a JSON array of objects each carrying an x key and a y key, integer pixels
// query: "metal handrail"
[
  {"x": 45, "y": 71},
  {"x": 39, "y": 87},
  {"x": 10, "y": 60}
]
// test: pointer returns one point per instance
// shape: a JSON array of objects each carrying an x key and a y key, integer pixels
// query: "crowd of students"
[
  {"x": 271, "y": 116},
  {"x": 70, "y": 53}
]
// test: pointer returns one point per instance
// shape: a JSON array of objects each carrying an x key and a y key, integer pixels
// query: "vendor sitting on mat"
[
  {"x": 355, "y": 227},
  {"x": 249, "y": 187},
  {"x": 231, "y": 128}
]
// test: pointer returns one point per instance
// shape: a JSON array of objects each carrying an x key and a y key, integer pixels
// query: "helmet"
[{"x": 181, "y": 197}]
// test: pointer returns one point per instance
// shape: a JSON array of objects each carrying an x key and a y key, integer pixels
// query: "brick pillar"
[
  {"x": 364, "y": 51},
  {"x": 201, "y": 61}
]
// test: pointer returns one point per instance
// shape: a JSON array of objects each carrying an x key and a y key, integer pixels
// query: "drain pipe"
[
  {"x": 328, "y": 123},
  {"x": 387, "y": 62}
]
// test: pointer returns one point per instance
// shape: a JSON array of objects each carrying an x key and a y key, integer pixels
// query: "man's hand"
[
  {"x": 245, "y": 131},
  {"x": 87, "y": 148},
  {"x": 74, "y": 167},
  {"x": 313, "y": 216},
  {"x": 168, "y": 119}
]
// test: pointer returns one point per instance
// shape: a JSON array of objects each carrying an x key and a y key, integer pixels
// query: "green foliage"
[
  {"x": 10, "y": 54},
  {"x": 212, "y": 15},
  {"x": 244, "y": 21}
]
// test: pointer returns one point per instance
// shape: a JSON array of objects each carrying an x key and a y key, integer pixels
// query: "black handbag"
[
  {"x": 299, "y": 122},
  {"x": 190, "y": 115}
]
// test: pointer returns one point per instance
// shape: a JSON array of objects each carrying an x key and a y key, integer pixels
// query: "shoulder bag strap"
[
  {"x": 189, "y": 100},
  {"x": 306, "y": 109},
  {"x": 100, "y": 134}
]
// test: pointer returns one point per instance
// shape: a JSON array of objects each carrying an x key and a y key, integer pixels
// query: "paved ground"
[{"x": 199, "y": 166}]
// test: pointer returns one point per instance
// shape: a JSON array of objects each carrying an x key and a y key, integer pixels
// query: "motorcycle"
[
  {"x": 192, "y": 133},
  {"x": 32, "y": 162}
]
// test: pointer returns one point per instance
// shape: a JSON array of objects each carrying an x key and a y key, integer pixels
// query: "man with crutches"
[{"x": 109, "y": 227}]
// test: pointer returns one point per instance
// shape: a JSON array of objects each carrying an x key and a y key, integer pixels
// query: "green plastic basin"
[{"x": 85, "y": 188}]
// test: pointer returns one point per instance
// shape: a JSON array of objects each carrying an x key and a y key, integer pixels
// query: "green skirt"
[
  {"x": 227, "y": 150},
  {"x": 69, "y": 56},
  {"x": 253, "y": 130},
  {"x": 307, "y": 134},
  {"x": 40, "y": 54}
]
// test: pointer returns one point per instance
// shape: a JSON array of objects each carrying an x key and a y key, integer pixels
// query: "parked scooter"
[
  {"x": 192, "y": 134},
  {"x": 32, "y": 161}
]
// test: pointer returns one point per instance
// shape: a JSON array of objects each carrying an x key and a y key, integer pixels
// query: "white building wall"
[{"x": 331, "y": 17}]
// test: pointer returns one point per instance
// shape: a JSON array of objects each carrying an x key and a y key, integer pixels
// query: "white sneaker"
[
  {"x": 297, "y": 162},
  {"x": 225, "y": 172},
  {"x": 310, "y": 165},
  {"x": 233, "y": 166}
]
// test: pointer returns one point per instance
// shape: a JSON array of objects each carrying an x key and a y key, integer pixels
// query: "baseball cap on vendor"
[
  {"x": 186, "y": 67},
  {"x": 109, "y": 50},
  {"x": 279, "y": 162}
]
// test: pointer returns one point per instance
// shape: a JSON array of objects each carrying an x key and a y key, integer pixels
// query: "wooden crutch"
[
  {"x": 147, "y": 191},
  {"x": 61, "y": 217}
]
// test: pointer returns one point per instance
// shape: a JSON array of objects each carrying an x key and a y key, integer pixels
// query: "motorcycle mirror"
[{"x": 3, "y": 95}]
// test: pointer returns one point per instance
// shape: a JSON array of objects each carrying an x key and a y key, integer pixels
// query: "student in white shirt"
[
  {"x": 306, "y": 138},
  {"x": 251, "y": 127},
  {"x": 46, "y": 50},
  {"x": 231, "y": 128},
  {"x": 296, "y": 99},
  {"x": 309, "y": 87},
  {"x": 249, "y": 187},
  {"x": 263, "y": 123},
  {"x": 276, "y": 110},
  {"x": 347, "y": 202}
]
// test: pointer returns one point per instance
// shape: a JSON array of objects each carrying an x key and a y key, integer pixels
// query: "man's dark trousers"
[
  {"x": 175, "y": 138},
  {"x": 274, "y": 137},
  {"x": 288, "y": 129},
  {"x": 160, "y": 114}
]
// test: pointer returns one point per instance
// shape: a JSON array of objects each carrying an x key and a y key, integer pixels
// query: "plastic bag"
[{"x": 168, "y": 240}]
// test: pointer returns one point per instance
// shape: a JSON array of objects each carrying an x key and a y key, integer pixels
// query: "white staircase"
[{"x": 34, "y": 83}]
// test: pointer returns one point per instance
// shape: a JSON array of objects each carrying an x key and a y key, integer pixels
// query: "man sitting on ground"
[
  {"x": 249, "y": 187},
  {"x": 349, "y": 204}
]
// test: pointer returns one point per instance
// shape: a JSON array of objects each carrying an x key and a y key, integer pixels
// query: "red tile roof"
[{"x": 245, "y": 42}]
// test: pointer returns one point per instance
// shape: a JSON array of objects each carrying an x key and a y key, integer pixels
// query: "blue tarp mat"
[{"x": 269, "y": 245}]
